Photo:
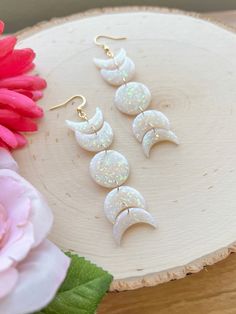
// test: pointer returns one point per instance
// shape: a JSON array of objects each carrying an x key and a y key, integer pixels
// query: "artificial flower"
[
  {"x": 31, "y": 267},
  {"x": 18, "y": 93}
]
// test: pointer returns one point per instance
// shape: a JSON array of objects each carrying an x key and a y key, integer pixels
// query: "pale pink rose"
[{"x": 31, "y": 267}]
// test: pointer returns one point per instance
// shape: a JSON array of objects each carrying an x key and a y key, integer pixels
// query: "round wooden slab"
[{"x": 189, "y": 65}]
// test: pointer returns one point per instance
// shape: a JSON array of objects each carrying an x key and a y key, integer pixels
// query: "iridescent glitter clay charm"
[
  {"x": 133, "y": 98},
  {"x": 109, "y": 169}
]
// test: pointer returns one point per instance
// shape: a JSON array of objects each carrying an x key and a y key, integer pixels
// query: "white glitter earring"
[
  {"x": 124, "y": 206},
  {"x": 133, "y": 98}
]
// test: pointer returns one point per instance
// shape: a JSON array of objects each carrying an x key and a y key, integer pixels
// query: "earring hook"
[
  {"x": 96, "y": 38},
  {"x": 79, "y": 109},
  {"x": 105, "y": 47}
]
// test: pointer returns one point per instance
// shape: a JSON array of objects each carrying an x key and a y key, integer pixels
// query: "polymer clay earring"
[
  {"x": 133, "y": 98},
  {"x": 124, "y": 206}
]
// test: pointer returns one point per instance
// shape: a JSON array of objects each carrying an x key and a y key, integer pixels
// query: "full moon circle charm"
[
  {"x": 132, "y": 98},
  {"x": 109, "y": 169}
]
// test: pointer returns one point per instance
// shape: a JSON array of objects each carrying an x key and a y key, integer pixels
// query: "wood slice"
[{"x": 190, "y": 67}]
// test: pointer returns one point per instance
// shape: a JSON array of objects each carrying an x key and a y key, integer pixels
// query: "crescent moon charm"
[
  {"x": 156, "y": 136},
  {"x": 128, "y": 218},
  {"x": 119, "y": 199},
  {"x": 111, "y": 64},
  {"x": 118, "y": 76},
  {"x": 117, "y": 70},
  {"x": 98, "y": 141},
  {"x": 90, "y": 126},
  {"x": 148, "y": 120}
]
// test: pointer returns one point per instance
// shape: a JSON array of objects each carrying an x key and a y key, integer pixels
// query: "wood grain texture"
[
  {"x": 212, "y": 291},
  {"x": 226, "y": 17},
  {"x": 188, "y": 182}
]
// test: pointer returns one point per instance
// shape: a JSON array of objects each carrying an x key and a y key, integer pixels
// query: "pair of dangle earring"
[
  {"x": 124, "y": 206},
  {"x": 133, "y": 98}
]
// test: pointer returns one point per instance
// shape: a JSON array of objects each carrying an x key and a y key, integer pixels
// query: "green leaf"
[{"x": 82, "y": 290}]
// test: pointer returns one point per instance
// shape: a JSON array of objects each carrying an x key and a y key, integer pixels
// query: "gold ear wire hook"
[
  {"x": 79, "y": 109},
  {"x": 106, "y": 48}
]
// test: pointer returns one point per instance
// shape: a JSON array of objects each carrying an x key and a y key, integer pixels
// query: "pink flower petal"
[
  {"x": 18, "y": 249},
  {"x": 8, "y": 137},
  {"x": 41, "y": 215},
  {"x": 7, "y": 45},
  {"x": 20, "y": 103},
  {"x": 23, "y": 82},
  {"x": 21, "y": 140},
  {"x": 40, "y": 276},
  {"x": 18, "y": 62},
  {"x": 30, "y": 67},
  {"x": 4, "y": 145},
  {"x": 7, "y": 161},
  {"x": 1, "y": 27},
  {"x": 21, "y": 237},
  {"x": 11, "y": 190},
  {"x": 3, "y": 223},
  {"x": 15, "y": 121},
  {"x": 18, "y": 92},
  {"x": 8, "y": 280},
  {"x": 35, "y": 94}
]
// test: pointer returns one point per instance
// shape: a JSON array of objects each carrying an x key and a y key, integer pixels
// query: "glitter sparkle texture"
[
  {"x": 117, "y": 70},
  {"x": 109, "y": 169},
  {"x": 155, "y": 136},
  {"x": 132, "y": 98},
  {"x": 128, "y": 218},
  {"x": 98, "y": 141},
  {"x": 111, "y": 63},
  {"x": 88, "y": 127},
  {"x": 148, "y": 120},
  {"x": 124, "y": 72},
  {"x": 119, "y": 199}
]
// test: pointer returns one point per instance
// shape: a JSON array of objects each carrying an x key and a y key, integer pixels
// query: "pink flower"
[
  {"x": 18, "y": 93},
  {"x": 31, "y": 267}
]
